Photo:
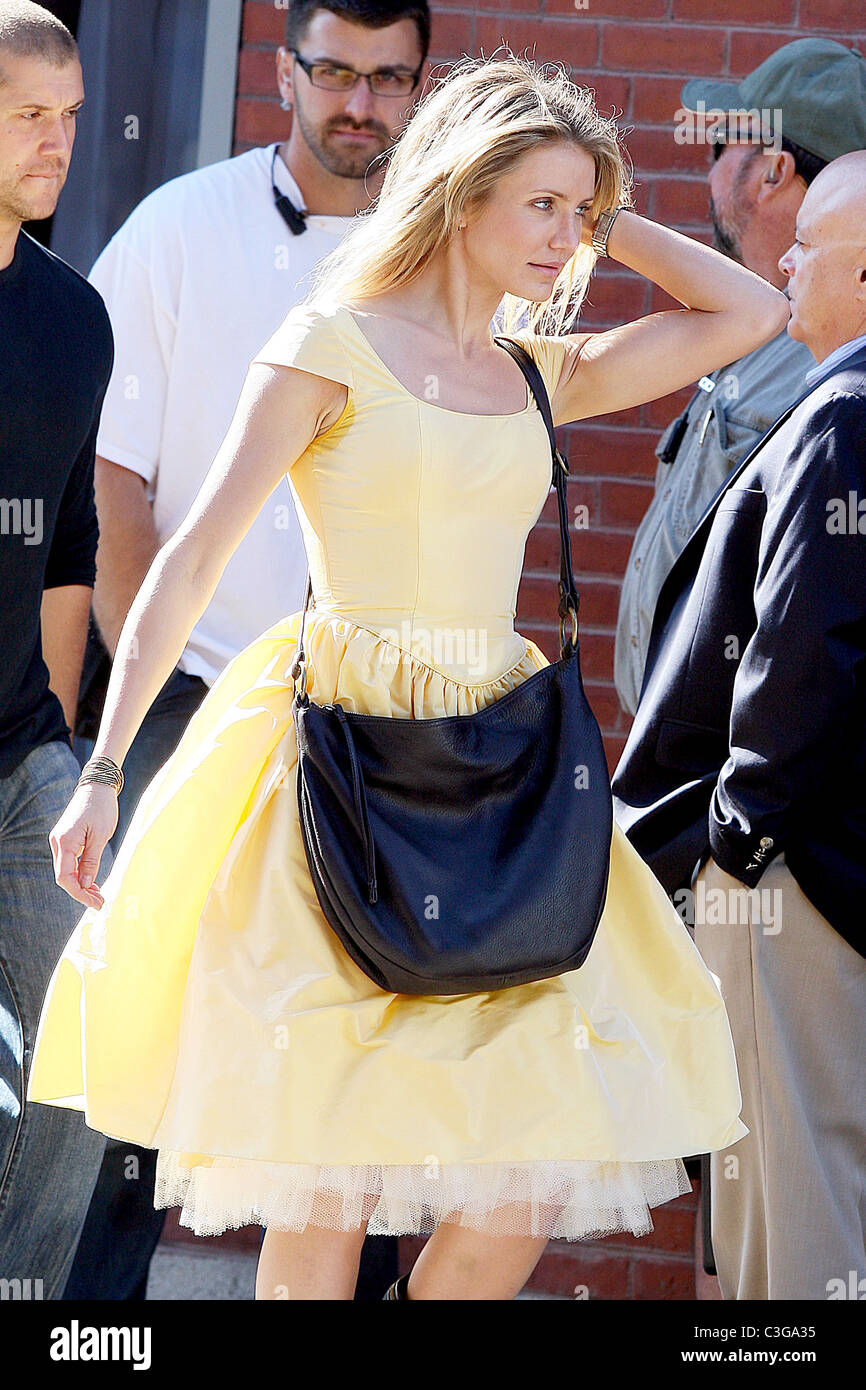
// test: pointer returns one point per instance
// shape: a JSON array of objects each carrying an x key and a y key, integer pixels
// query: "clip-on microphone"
[{"x": 285, "y": 207}]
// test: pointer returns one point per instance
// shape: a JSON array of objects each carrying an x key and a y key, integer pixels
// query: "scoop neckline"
[{"x": 467, "y": 414}]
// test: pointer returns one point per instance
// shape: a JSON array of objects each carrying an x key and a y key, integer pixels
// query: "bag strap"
[{"x": 569, "y": 598}]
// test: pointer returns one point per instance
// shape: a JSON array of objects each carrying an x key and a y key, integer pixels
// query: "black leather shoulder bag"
[{"x": 471, "y": 852}]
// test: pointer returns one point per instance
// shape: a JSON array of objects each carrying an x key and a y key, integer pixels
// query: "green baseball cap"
[{"x": 818, "y": 85}]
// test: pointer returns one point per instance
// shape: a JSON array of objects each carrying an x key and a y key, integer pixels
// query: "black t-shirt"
[{"x": 56, "y": 356}]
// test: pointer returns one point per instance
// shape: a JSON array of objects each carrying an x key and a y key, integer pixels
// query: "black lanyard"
[{"x": 285, "y": 207}]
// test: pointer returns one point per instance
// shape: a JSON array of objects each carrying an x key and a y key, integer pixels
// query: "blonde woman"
[{"x": 203, "y": 1006}]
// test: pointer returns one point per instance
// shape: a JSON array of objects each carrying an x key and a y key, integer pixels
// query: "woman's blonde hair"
[{"x": 469, "y": 130}]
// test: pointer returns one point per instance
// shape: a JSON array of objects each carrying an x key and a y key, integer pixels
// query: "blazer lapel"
[
  {"x": 697, "y": 539},
  {"x": 702, "y": 526}
]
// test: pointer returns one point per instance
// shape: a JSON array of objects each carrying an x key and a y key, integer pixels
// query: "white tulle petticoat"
[{"x": 561, "y": 1199}]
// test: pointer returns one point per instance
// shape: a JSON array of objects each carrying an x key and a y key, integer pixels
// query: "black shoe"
[
  {"x": 378, "y": 1266},
  {"x": 397, "y": 1290}
]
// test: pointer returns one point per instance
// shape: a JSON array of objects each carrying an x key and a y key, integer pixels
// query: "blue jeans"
[{"x": 49, "y": 1157}]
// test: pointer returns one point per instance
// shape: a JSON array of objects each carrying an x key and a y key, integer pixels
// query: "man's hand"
[{"x": 64, "y": 614}]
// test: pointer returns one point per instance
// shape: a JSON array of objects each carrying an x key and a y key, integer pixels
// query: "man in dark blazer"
[{"x": 743, "y": 782}]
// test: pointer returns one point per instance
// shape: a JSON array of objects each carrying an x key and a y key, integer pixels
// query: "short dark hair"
[
  {"x": 30, "y": 31},
  {"x": 376, "y": 14},
  {"x": 806, "y": 164}
]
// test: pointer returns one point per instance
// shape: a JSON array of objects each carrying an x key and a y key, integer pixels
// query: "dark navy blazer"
[{"x": 750, "y": 735}]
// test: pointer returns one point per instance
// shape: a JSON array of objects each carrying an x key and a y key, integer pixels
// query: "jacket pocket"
[{"x": 691, "y": 747}]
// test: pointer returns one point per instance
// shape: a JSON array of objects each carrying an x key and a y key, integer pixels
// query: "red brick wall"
[{"x": 636, "y": 54}]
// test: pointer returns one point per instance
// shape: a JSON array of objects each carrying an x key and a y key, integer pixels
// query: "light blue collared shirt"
[{"x": 837, "y": 355}]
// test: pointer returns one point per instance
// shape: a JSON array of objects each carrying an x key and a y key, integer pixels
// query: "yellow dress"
[{"x": 208, "y": 1010}]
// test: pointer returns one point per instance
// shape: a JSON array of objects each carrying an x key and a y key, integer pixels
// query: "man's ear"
[
  {"x": 779, "y": 167},
  {"x": 284, "y": 78}
]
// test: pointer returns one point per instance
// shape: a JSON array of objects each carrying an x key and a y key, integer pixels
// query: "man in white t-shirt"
[{"x": 195, "y": 281}]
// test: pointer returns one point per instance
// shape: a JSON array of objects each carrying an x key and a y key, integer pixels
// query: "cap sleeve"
[
  {"x": 548, "y": 354},
  {"x": 309, "y": 339}
]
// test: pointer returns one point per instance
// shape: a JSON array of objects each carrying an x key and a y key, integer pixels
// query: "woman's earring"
[{"x": 286, "y": 105}]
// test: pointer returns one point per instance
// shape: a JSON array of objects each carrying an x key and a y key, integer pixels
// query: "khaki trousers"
[{"x": 788, "y": 1200}]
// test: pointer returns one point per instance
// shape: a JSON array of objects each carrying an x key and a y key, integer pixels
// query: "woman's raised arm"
[{"x": 729, "y": 312}]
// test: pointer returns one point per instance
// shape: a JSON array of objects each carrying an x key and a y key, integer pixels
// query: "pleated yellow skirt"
[{"x": 209, "y": 1011}]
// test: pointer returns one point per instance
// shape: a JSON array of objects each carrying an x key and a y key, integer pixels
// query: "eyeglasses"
[{"x": 333, "y": 77}]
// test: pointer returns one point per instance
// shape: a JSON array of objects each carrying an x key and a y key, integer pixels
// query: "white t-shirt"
[{"x": 196, "y": 280}]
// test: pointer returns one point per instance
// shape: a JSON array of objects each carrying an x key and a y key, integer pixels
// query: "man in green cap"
[{"x": 771, "y": 134}]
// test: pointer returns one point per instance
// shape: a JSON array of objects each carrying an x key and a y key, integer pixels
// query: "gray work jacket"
[{"x": 696, "y": 453}]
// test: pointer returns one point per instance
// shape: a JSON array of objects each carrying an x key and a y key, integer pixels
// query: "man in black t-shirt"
[{"x": 56, "y": 355}]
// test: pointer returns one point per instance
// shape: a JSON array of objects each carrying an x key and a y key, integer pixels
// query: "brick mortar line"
[
  {"x": 793, "y": 28},
  {"x": 585, "y": 630},
  {"x": 582, "y": 578},
  {"x": 633, "y": 21},
  {"x": 588, "y": 578},
  {"x": 674, "y": 1257}
]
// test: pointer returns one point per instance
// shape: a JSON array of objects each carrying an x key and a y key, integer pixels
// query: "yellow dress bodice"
[{"x": 418, "y": 534}]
